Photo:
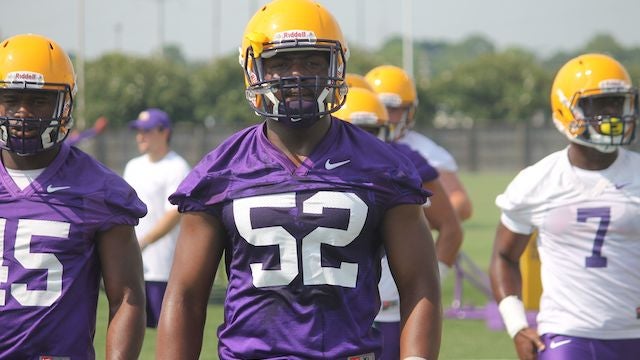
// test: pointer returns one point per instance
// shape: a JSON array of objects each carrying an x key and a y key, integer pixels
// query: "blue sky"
[{"x": 132, "y": 26}]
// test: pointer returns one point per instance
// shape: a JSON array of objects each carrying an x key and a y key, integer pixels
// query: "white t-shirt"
[
  {"x": 589, "y": 243},
  {"x": 437, "y": 156},
  {"x": 154, "y": 182},
  {"x": 24, "y": 178}
]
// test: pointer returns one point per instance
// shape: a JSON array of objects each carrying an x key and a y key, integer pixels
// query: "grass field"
[{"x": 462, "y": 339}]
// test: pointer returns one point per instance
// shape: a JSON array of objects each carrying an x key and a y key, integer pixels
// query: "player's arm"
[
  {"x": 443, "y": 218},
  {"x": 167, "y": 222},
  {"x": 124, "y": 285},
  {"x": 184, "y": 308},
  {"x": 457, "y": 194},
  {"x": 506, "y": 283},
  {"x": 411, "y": 255}
]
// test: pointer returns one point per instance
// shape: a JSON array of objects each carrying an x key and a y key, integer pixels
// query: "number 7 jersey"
[
  {"x": 589, "y": 243},
  {"x": 49, "y": 269},
  {"x": 304, "y": 244}
]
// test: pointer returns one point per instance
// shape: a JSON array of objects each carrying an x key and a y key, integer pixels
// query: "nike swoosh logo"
[
  {"x": 555, "y": 344},
  {"x": 330, "y": 166},
  {"x": 52, "y": 188}
]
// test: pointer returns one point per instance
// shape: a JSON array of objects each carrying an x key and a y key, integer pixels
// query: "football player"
[
  {"x": 301, "y": 205},
  {"x": 584, "y": 202},
  {"x": 397, "y": 91},
  {"x": 65, "y": 220},
  {"x": 364, "y": 109}
]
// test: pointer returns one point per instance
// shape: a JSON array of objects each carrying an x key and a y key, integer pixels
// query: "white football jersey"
[
  {"x": 437, "y": 156},
  {"x": 589, "y": 243},
  {"x": 154, "y": 182}
]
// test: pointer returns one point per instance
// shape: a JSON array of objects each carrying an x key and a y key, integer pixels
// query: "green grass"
[{"x": 462, "y": 339}]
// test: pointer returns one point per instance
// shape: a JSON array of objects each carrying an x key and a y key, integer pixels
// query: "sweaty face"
[
  {"x": 297, "y": 63},
  {"x": 299, "y": 86},
  {"x": 303, "y": 66},
  {"x": 37, "y": 106}
]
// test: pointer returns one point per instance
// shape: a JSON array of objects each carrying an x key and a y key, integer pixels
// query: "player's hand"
[{"x": 528, "y": 344}]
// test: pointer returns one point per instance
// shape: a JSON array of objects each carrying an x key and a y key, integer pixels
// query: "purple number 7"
[{"x": 596, "y": 260}]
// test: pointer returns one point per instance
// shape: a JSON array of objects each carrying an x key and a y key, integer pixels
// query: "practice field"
[{"x": 462, "y": 339}]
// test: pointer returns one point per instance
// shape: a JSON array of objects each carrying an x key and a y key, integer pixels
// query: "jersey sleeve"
[
  {"x": 191, "y": 194},
  {"x": 122, "y": 204},
  {"x": 515, "y": 204},
  {"x": 206, "y": 185},
  {"x": 425, "y": 170},
  {"x": 406, "y": 185}
]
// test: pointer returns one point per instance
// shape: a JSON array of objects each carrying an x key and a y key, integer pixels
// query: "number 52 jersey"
[
  {"x": 589, "y": 243},
  {"x": 304, "y": 244},
  {"x": 49, "y": 270}
]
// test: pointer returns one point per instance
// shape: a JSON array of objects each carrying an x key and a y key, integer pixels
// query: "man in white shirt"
[
  {"x": 584, "y": 201},
  {"x": 155, "y": 175}
]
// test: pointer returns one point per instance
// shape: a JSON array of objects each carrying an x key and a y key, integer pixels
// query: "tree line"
[{"x": 460, "y": 84}]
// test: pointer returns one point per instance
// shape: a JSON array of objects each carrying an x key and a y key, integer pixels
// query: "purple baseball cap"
[{"x": 151, "y": 119}]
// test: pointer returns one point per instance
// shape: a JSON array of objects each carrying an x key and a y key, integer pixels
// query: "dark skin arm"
[
  {"x": 124, "y": 285},
  {"x": 506, "y": 280},
  {"x": 413, "y": 263},
  {"x": 184, "y": 309},
  {"x": 442, "y": 217}
]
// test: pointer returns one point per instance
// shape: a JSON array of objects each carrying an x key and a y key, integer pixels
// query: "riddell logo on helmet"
[
  {"x": 613, "y": 85},
  {"x": 32, "y": 78},
  {"x": 295, "y": 35}
]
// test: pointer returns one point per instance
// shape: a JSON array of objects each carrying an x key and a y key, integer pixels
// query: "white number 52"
[{"x": 313, "y": 273}]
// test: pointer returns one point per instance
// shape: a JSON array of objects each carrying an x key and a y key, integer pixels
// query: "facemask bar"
[
  {"x": 605, "y": 131},
  {"x": 329, "y": 91}
]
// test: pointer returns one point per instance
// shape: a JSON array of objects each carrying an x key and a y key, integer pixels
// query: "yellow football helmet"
[
  {"x": 293, "y": 25},
  {"x": 594, "y": 103},
  {"x": 396, "y": 89},
  {"x": 34, "y": 67},
  {"x": 357, "y": 81},
  {"x": 364, "y": 109}
]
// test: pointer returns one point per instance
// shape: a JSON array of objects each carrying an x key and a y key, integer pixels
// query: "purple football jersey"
[
  {"x": 304, "y": 243},
  {"x": 425, "y": 170},
  {"x": 50, "y": 272}
]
